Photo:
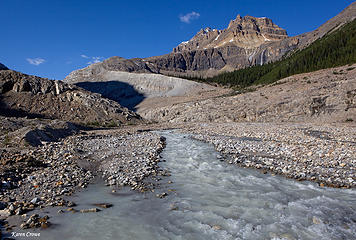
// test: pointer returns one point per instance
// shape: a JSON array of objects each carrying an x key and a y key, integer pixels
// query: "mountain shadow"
[{"x": 120, "y": 92}]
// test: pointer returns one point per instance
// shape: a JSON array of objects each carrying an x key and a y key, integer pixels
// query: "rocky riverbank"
[
  {"x": 325, "y": 154},
  {"x": 44, "y": 176}
]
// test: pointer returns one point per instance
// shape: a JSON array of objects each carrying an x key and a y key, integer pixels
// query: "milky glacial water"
[{"x": 211, "y": 200}]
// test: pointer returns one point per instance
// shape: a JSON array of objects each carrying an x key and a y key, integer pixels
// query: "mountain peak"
[{"x": 246, "y": 32}]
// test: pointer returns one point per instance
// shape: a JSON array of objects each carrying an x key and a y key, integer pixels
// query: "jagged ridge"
[{"x": 245, "y": 32}]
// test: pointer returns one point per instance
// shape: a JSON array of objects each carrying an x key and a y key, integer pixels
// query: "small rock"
[
  {"x": 34, "y": 201},
  {"x": 316, "y": 220},
  {"x": 71, "y": 204},
  {"x": 45, "y": 225},
  {"x": 173, "y": 207},
  {"x": 103, "y": 205},
  {"x": 162, "y": 195},
  {"x": 90, "y": 210},
  {"x": 24, "y": 226},
  {"x": 5, "y": 213},
  {"x": 11, "y": 207},
  {"x": 217, "y": 227}
]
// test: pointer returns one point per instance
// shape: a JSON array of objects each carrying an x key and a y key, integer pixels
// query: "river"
[{"x": 211, "y": 199}]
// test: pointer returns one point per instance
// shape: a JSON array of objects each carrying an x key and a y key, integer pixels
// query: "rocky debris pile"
[
  {"x": 326, "y": 95},
  {"x": 125, "y": 159},
  {"x": 41, "y": 178},
  {"x": 304, "y": 152},
  {"x": 17, "y": 208},
  {"x": 35, "y": 221},
  {"x": 21, "y": 132},
  {"x": 24, "y": 95}
]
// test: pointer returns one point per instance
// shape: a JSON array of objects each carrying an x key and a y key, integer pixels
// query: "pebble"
[
  {"x": 90, "y": 210},
  {"x": 217, "y": 227},
  {"x": 316, "y": 220},
  {"x": 162, "y": 195},
  {"x": 103, "y": 205}
]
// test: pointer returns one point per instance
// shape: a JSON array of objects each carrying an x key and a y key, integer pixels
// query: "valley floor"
[
  {"x": 321, "y": 153},
  {"x": 307, "y": 132}
]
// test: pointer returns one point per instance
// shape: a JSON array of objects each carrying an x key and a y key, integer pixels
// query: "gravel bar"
[
  {"x": 44, "y": 176},
  {"x": 325, "y": 154}
]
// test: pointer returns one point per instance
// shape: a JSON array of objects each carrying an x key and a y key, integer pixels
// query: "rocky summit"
[{"x": 245, "y": 32}]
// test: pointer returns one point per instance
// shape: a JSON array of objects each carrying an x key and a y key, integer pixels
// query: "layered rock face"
[
  {"x": 245, "y": 32},
  {"x": 24, "y": 95}
]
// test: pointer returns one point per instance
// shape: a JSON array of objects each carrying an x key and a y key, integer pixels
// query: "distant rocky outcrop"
[
  {"x": 245, "y": 42},
  {"x": 24, "y": 95}
]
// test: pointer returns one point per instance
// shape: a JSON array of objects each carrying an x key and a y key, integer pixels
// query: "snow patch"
[
  {"x": 217, "y": 37},
  {"x": 185, "y": 42},
  {"x": 231, "y": 40},
  {"x": 251, "y": 56},
  {"x": 266, "y": 39}
]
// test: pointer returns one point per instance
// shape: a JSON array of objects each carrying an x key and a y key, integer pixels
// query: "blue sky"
[{"x": 51, "y": 38}]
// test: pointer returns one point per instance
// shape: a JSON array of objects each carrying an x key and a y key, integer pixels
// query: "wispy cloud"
[
  {"x": 35, "y": 61},
  {"x": 95, "y": 60},
  {"x": 187, "y": 18},
  {"x": 92, "y": 59}
]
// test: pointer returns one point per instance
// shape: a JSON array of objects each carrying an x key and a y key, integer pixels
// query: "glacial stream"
[{"x": 210, "y": 199}]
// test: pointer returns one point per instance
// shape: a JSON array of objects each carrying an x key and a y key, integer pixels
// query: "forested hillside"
[{"x": 335, "y": 49}]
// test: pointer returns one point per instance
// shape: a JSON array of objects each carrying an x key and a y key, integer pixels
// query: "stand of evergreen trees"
[{"x": 337, "y": 48}]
